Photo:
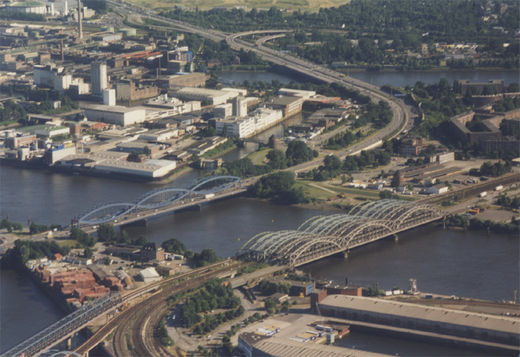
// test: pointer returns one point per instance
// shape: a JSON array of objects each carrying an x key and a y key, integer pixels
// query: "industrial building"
[
  {"x": 52, "y": 76},
  {"x": 496, "y": 136},
  {"x": 259, "y": 120},
  {"x": 115, "y": 114},
  {"x": 129, "y": 90},
  {"x": 98, "y": 77},
  {"x": 223, "y": 111},
  {"x": 46, "y": 131},
  {"x": 297, "y": 93},
  {"x": 289, "y": 105},
  {"x": 183, "y": 80},
  {"x": 477, "y": 88},
  {"x": 206, "y": 96},
  {"x": 149, "y": 169},
  {"x": 489, "y": 328}
]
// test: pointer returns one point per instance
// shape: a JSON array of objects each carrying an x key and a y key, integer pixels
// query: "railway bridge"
[{"x": 323, "y": 236}]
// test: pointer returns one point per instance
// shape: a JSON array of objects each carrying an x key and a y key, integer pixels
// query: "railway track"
[{"x": 130, "y": 339}]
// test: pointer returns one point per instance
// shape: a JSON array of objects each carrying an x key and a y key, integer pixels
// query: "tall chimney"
[
  {"x": 61, "y": 51},
  {"x": 80, "y": 25}
]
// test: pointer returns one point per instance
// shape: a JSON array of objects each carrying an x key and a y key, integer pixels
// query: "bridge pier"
[
  {"x": 345, "y": 254},
  {"x": 396, "y": 238},
  {"x": 69, "y": 343}
]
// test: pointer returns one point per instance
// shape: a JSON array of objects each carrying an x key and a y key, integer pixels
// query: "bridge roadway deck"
[{"x": 156, "y": 213}]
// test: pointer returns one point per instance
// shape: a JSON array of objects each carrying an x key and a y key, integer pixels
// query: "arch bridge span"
[
  {"x": 163, "y": 199},
  {"x": 322, "y": 236}
]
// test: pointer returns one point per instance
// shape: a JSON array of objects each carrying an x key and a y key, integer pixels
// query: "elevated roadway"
[{"x": 401, "y": 112}]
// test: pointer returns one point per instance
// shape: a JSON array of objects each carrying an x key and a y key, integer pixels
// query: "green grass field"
[{"x": 258, "y": 157}]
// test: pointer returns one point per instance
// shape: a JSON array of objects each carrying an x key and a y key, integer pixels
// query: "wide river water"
[
  {"x": 449, "y": 262},
  {"x": 397, "y": 79}
]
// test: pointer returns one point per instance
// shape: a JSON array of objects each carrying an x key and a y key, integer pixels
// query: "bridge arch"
[{"x": 158, "y": 198}]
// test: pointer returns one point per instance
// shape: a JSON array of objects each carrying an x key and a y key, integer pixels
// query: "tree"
[
  {"x": 174, "y": 246},
  {"x": 147, "y": 151},
  {"x": 88, "y": 253},
  {"x": 332, "y": 164},
  {"x": 82, "y": 237},
  {"x": 298, "y": 152},
  {"x": 106, "y": 232},
  {"x": 276, "y": 159}
]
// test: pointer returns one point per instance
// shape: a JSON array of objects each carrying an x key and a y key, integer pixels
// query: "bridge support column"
[
  {"x": 396, "y": 238},
  {"x": 69, "y": 343},
  {"x": 345, "y": 255}
]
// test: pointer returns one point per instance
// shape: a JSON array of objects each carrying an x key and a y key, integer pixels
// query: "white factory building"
[
  {"x": 115, "y": 114},
  {"x": 147, "y": 169},
  {"x": 52, "y": 76},
  {"x": 223, "y": 111},
  {"x": 207, "y": 96},
  {"x": 259, "y": 120},
  {"x": 297, "y": 93}
]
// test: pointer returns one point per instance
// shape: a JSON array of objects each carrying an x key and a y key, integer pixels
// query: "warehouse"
[
  {"x": 149, "y": 169},
  {"x": 207, "y": 96},
  {"x": 114, "y": 114}
]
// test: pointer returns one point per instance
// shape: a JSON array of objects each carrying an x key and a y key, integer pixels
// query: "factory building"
[
  {"x": 52, "y": 76},
  {"x": 98, "y": 77},
  {"x": 239, "y": 107},
  {"x": 109, "y": 96},
  {"x": 128, "y": 90},
  {"x": 149, "y": 169},
  {"x": 259, "y": 120},
  {"x": 206, "y": 96},
  {"x": 289, "y": 105},
  {"x": 114, "y": 114},
  {"x": 223, "y": 111},
  {"x": 297, "y": 93},
  {"x": 183, "y": 80}
]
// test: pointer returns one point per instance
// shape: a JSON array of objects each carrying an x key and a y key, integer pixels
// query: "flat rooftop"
[
  {"x": 110, "y": 108},
  {"x": 421, "y": 312}
]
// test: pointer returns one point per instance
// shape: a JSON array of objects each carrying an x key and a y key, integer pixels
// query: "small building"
[
  {"x": 288, "y": 105},
  {"x": 149, "y": 275},
  {"x": 443, "y": 157},
  {"x": 437, "y": 190},
  {"x": 410, "y": 146},
  {"x": 301, "y": 288}
]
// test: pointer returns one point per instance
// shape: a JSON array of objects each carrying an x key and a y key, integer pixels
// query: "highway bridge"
[
  {"x": 323, "y": 236},
  {"x": 163, "y": 201}
]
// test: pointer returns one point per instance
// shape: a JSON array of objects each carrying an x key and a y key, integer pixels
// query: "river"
[
  {"x": 379, "y": 78},
  {"x": 449, "y": 262}
]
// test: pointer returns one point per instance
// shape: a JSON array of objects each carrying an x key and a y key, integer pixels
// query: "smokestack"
[
  {"x": 80, "y": 25},
  {"x": 61, "y": 51}
]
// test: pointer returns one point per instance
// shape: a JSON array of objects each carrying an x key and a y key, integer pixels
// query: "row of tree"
[
  {"x": 332, "y": 165},
  {"x": 442, "y": 20}
]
